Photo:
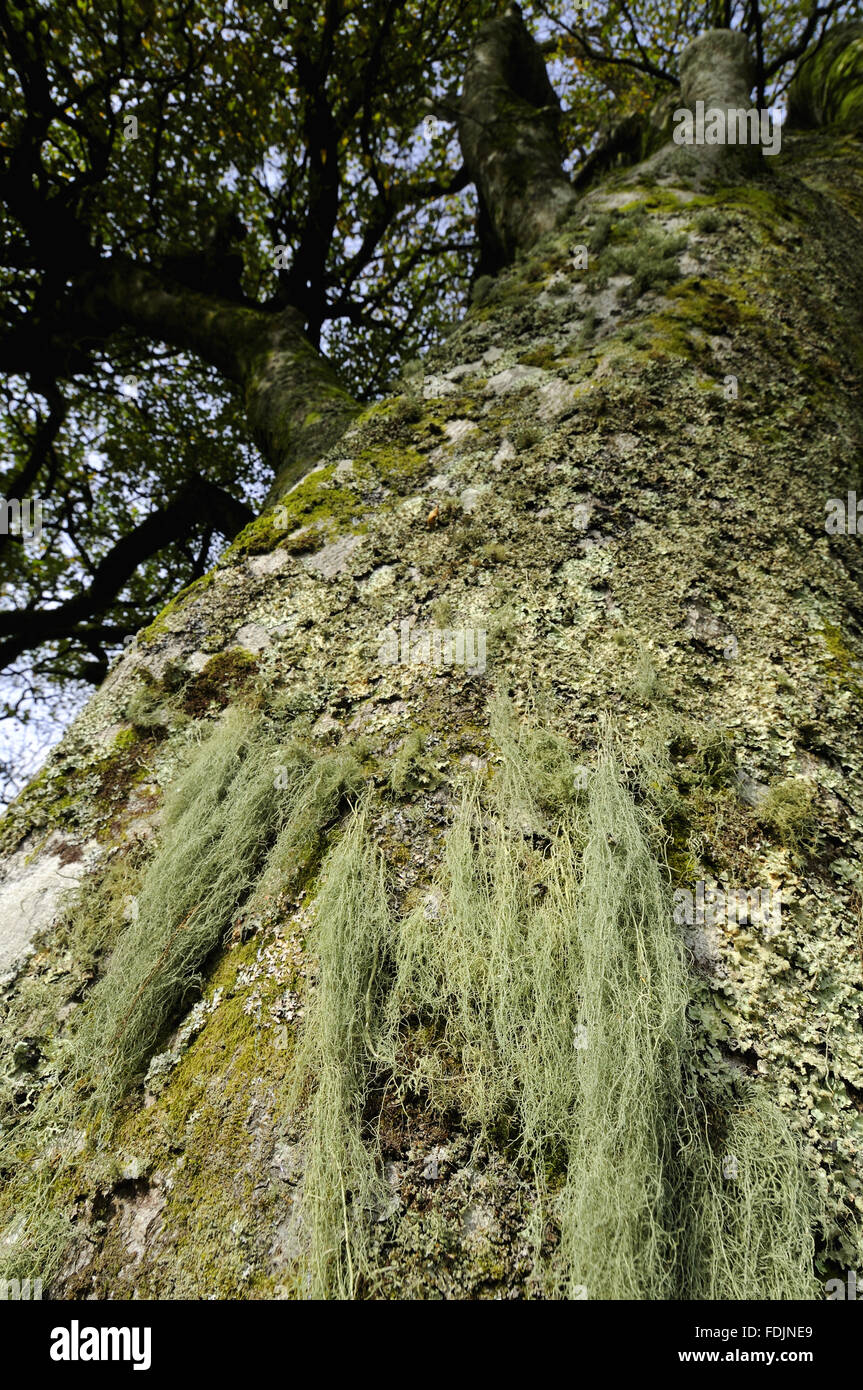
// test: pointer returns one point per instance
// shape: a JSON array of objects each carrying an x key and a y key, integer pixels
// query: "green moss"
[
  {"x": 760, "y": 200},
  {"x": 788, "y": 812},
  {"x": 161, "y": 624},
  {"x": 586, "y": 330},
  {"x": 258, "y": 538},
  {"x": 399, "y": 466},
  {"x": 396, "y": 410},
  {"x": 218, "y": 682},
  {"x": 714, "y": 762},
  {"x": 713, "y": 307},
  {"x": 717, "y": 307},
  {"x": 542, "y": 356},
  {"x": 657, "y": 200},
  {"x": 316, "y": 502},
  {"x": 146, "y": 707},
  {"x": 845, "y": 667},
  {"x": 442, "y": 612},
  {"x": 527, "y": 437}
]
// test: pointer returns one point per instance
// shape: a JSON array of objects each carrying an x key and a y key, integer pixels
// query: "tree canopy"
[{"x": 221, "y": 217}]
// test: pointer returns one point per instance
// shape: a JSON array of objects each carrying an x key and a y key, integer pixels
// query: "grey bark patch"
[
  {"x": 626, "y": 443},
  {"x": 332, "y": 559},
  {"x": 325, "y": 725},
  {"x": 173, "y": 651},
  {"x": 705, "y": 943},
  {"x": 30, "y": 895},
  {"x": 750, "y": 791},
  {"x": 289, "y": 1160},
  {"x": 290, "y": 1238},
  {"x": 472, "y": 496},
  {"x": 140, "y": 1218},
  {"x": 555, "y": 398},
  {"x": 457, "y": 431},
  {"x": 703, "y": 625},
  {"x": 384, "y": 577},
  {"x": 478, "y": 1221},
  {"x": 253, "y": 637},
  {"x": 436, "y": 386},
  {"x": 514, "y": 377},
  {"x": 505, "y": 454},
  {"x": 464, "y": 369},
  {"x": 271, "y": 563}
]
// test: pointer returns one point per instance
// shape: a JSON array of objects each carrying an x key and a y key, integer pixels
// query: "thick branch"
[
  {"x": 828, "y": 86},
  {"x": 295, "y": 404},
  {"x": 508, "y": 126},
  {"x": 718, "y": 71},
  {"x": 197, "y": 501},
  {"x": 717, "y": 68}
]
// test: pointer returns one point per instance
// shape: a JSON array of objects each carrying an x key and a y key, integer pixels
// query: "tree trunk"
[{"x": 614, "y": 479}]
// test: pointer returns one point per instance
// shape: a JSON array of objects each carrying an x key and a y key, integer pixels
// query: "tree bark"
[
  {"x": 620, "y": 475},
  {"x": 508, "y": 118}
]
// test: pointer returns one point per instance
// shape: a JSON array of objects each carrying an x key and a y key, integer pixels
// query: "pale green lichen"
[{"x": 558, "y": 1029}]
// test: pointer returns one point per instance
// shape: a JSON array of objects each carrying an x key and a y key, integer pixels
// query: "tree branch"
[
  {"x": 197, "y": 500},
  {"x": 295, "y": 404}
]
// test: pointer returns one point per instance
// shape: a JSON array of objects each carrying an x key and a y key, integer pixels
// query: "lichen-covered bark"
[{"x": 619, "y": 473}]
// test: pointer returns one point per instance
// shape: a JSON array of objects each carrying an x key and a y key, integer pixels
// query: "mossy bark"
[{"x": 625, "y": 489}]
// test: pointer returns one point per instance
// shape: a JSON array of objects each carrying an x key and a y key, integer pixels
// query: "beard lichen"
[
  {"x": 538, "y": 992},
  {"x": 248, "y": 811},
  {"x": 547, "y": 971}
]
